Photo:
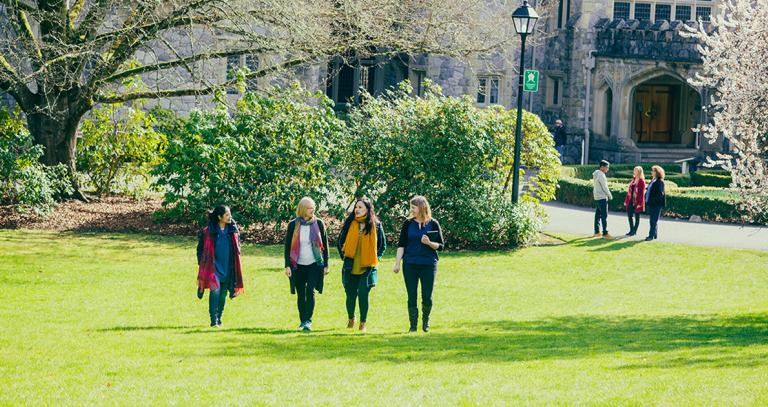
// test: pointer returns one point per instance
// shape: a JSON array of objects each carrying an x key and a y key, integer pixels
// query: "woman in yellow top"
[{"x": 361, "y": 244}]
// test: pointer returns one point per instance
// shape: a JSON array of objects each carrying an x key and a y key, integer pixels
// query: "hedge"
[
  {"x": 681, "y": 180},
  {"x": 624, "y": 181},
  {"x": 679, "y": 204},
  {"x": 584, "y": 172},
  {"x": 721, "y": 179}
]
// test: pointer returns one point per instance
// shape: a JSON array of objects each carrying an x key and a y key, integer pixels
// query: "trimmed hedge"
[
  {"x": 679, "y": 204},
  {"x": 624, "y": 181},
  {"x": 584, "y": 172},
  {"x": 721, "y": 179}
]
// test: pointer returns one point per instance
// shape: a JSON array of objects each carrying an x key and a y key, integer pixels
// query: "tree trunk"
[{"x": 56, "y": 130}]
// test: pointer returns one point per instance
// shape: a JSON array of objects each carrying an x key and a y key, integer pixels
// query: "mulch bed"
[{"x": 118, "y": 213}]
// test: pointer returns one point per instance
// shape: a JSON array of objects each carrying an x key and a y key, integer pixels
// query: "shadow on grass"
[
  {"x": 705, "y": 341},
  {"x": 600, "y": 244}
]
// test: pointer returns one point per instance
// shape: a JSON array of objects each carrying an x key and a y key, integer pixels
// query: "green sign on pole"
[{"x": 531, "y": 81}]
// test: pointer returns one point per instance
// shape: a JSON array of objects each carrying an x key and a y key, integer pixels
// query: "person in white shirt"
[{"x": 306, "y": 259}]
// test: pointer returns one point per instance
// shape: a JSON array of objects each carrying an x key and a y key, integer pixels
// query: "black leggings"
[
  {"x": 412, "y": 273},
  {"x": 357, "y": 287},
  {"x": 306, "y": 278},
  {"x": 630, "y": 212}
]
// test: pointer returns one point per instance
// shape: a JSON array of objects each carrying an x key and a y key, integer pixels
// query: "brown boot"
[
  {"x": 351, "y": 323},
  {"x": 362, "y": 326}
]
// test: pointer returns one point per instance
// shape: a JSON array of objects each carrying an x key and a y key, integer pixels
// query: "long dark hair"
[
  {"x": 220, "y": 210},
  {"x": 370, "y": 220}
]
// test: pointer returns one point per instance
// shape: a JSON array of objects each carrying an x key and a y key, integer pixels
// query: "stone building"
[{"x": 615, "y": 72}]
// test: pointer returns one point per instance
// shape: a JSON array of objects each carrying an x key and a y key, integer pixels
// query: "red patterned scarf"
[{"x": 206, "y": 275}]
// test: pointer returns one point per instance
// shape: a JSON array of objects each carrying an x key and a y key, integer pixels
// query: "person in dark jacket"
[
  {"x": 560, "y": 138},
  {"x": 218, "y": 258},
  {"x": 361, "y": 244},
  {"x": 306, "y": 259},
  {"x": 418, "y": 251},
  {"x": 655, "y": 199}
]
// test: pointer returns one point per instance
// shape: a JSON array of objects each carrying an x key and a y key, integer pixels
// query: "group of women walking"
[
  {"x": 639, "y": 197},
  {"x": 360, "y": 244}
]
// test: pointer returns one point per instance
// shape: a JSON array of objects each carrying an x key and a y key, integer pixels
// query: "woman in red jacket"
[{"x": 635, "y": 201}]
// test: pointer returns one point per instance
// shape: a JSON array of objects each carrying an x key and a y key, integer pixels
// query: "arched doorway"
[{"x": 662, "y": 111}]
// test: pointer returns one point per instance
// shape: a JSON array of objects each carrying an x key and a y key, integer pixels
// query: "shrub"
[
  {"x": 118, "y": 150},
  {"x": 681, "y": 202},
  {"x": 526, "y": 220},
  {"x": 585, "y": 171},
  {"x": 720, "y": 179},
  {"x": 24, "y": 181},
  {"x": 456, "y": 155},
  {"x": 260, "y": 160}
]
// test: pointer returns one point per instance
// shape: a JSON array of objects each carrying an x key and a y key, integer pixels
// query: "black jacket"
[
  {"x": 289, "y": 238},
  {"x": 560, "y": 137},
  {"x": 657, "y": 196}
]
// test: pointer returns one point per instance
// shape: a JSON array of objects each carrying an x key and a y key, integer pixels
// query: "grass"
[{"x": 112, "y": 319}]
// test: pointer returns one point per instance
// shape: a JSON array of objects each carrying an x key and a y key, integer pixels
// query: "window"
[
  {"x": 252, "y": 63},
  {"x": 233, "y": 64},
  {"x": 663, "y": 12},
  {"x": 487, "y": 91},
  {"x": 703, "y": 13},
  {"x": 419, "y": 85},
  {"x": 554, "y": 92},
  {"x": 657, "y": 10},
  {"x": 642, "y": 11},
  {"x": 344, "y": 81},
  {"x": 346, "y": 84},
  {"x": 621, "y": 11},
  {"x": 683, "y": 13},
  {"x": 563, "y": 12}
]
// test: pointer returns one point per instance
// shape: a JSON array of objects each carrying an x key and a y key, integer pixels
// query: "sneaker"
[
  {"x": 301, "y": 326},
  {"x": 607, "y": 236},
  {"x": 648, "y": 239},
  {"x": 596, "y": 235},
  {"x": 307, "y": 325}
]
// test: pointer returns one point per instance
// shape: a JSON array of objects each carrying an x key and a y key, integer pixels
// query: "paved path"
[{"x": 579, "y": 221}]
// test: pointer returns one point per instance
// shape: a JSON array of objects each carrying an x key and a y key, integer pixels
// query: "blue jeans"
[
  {"x": 601, "y": 214},
  {"x": 560, "y": 150},
  {"x": 218, "y": 299},
  {"x": 655, "y": 212}
]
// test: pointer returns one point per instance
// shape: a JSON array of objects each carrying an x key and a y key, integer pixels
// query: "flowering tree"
[{"x": 735, "y": 58}]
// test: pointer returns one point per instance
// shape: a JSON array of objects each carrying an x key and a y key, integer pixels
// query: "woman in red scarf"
[
  {"x": 306, "y": 259},
  {"x": 635, "y": 201},
  {"x": 218, "y": 257},
  {"x": 361, "y": 244}
]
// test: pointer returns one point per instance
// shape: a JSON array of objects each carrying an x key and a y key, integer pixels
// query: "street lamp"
[{"x": 524, "y": 19}]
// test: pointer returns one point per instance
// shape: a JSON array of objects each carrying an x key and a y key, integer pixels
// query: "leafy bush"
[
  {"x": 681, "y": 180},
  {"x": 118, "y": 150},
  {"x": 720, "y": 179},
  {"x": 526, "y": 220},
  {"x": 24, "y": 181},
  {"x": 680, "y": 202},
  {"x": 585, "y": 171},
  {"x": 623, "y": 181},
  {"x": 167, "y": 122},
  {"x": 458, "y": 156},
  {"x": 260, "y": 160}
]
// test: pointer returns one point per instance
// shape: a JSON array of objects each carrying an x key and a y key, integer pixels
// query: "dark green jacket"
[
  {"x": 346, "y": 269},
  {"x": 326, "y": 249}
]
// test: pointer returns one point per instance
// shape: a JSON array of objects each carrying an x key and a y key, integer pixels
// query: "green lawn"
[{"x": 112, "y": 319}]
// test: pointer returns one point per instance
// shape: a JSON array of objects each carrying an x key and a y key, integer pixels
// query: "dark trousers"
[
  {"x": 357, "y": 288},
  {"x": 655, "y": 212},
  {"x": 412, "y": 274},
  {"x": 601, "y": 214},
  {"x": 306, "y": 278},
  {"x": 218, "y": 299},
  {"x": 630, "y": 212}
]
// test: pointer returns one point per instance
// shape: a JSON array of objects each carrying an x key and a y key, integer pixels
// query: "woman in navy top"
[{"x": 418, "y": 251}]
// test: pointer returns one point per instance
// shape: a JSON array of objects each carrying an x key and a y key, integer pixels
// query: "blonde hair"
[
  {"x": 659, "y": 171},
  {"x": 640, "y": 170},
  {"x": 425, "y": 213},
  {"x": 305, "y": 203}
]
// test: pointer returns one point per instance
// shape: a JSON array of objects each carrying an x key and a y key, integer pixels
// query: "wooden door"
[{"x": 654, "y": 113}]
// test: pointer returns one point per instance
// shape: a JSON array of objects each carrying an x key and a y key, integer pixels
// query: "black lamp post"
[{"x": 524, "y": 19}]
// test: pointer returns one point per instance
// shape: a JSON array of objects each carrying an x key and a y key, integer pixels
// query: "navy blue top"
[
  {"x": 415, "y": 251},
  {"x": 222, "y": 252}
]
